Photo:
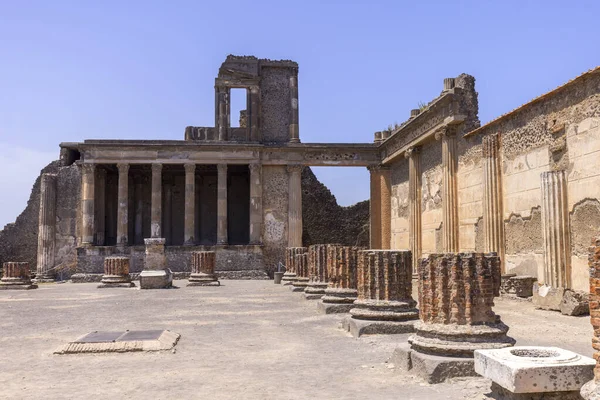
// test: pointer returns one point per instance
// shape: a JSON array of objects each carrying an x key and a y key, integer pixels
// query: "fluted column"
[
  {"x": 380, "y": 207},
  {"x": 203, "y": 269},
  {"x": 190, "y": 204},
  {"x": 414, "y": 188},
  {"x": 492, "y": 198},
  {"x": 555, "y": 220},
  {"x": 87, "y": 204},
  {"x": 374, "y": 208},
  {"x": 222, "y": 204},
  {"x": 156, "y": 214},
  {"x": 123, "y": 205},
  {"x": 295, "y": 205},
  {"x": 139, "y": 211},
  {"x": 294, "y": 116},
  {"x": 256, "y": 209},
  {"x": 100, "y": 194},
  {"x": 449, "y": 190},
  {"x": 47, "y": 228}
]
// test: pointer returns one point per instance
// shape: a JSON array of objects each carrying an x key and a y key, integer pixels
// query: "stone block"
[
  {"x": 437, "y": 369},
  {"x": 533, "y": 369},
  {"x": 575, "y": 303},
  {"x": 332, "y": 308},
  {"x": 359, "y": 327},
  {"x": 546, "y": 297},
  {"x": 401, "y": 358},
  {"x": 161, "y": 279}
]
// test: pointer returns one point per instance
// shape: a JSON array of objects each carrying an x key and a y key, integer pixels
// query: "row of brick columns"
[{"x": 90, "y": 183}]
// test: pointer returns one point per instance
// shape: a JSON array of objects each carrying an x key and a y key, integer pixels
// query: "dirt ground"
[{"x": 249, "y": 339}]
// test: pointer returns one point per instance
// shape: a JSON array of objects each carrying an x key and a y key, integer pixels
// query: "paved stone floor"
[{"x": 249, "y": 339}]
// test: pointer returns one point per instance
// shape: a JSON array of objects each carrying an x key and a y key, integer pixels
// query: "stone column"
[
  {"x": 340, "y": 295},
  {"x": 203, "y": 269},
  {"x": 555, "y": 220},
  {"x": 456, "y": 296},
  {"x": 254, "y": 112},
  {"x": 100, "y": 195},
  {"x": 291, "y": 274},
  {"x": 386, "y": 207},
  {"x": 384, "y": 303},
  {"x": 256, "y": 209},
  {"x": 123, "y": 205},
  {"x": 414, "y": 187},
  {"x": 222, "y": 204},
  {"x": 46, "y": 229},
  {"x": 116, "y": 273},
  {"x": 190, "y": 204},
  {"x": 591, "y": 390},
  {"x": 16, "y": 275},
  {"x": 139, "y": 211},
  {"x": 493, "y": 219},
  {"x": 317, "y": 272},
  {"x": 375, "y": 208},
  {"x": 168, "y": 209},
  {"x": 295, "y": 205},
  {"x": 301, "y": 263},
  {"x": 156, "y": 214},
  {"x": 222, "y": 111},
  {"x": 449, "y": 190},
  {"x": 294, "y": 116},
  {"x": 87, "y": 204}
]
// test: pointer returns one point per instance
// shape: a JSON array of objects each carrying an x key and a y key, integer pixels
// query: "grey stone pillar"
[
  {"x": 414, "y": 198},
  {"x": 222, "y": 204},
  {"x": 295, "y": 205},
  {"x": 256, "y": 209},
  {"x": 156, "y": 214},
  {"x": 294, "y": 116},
  {"x": 100, "y": 195},
  {"x": 555, "y": 219},
  {"x": 47, "y": 229},
  {"x": 123, "y": 205},
  {"x": 139, "y": 211},
  {"x": 190, "y": 204},
  {"x": 254, "y": 108},
  {"x": 222, "y": 112},
  {"x": 87, "y": 204},
  {"x": 493, "y": 220},
  {"x": 168, "y": 210},
  {"x": 449, "y": 190}
]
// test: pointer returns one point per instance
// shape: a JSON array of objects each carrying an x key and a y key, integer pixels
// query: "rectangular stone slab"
[
  {"x": 534, "y": 369},
  {"x": 140, "y": 335},
  {"x": 99, "y": 337}
]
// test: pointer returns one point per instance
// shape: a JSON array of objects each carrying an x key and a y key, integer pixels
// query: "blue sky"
[{"x": 72, "y": 70}]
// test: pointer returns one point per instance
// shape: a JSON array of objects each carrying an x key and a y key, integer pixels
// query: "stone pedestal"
[
  {"x": 384, "y": 304},
  {"x": 203, "y": 269},
  {"x": 16, "y": 276},
  {"x": 340, "y": 295},
  {"x": 318, "y": 269},
  {"x": 155, "y": 275},
  {"x": 301, "y": 263},
  {"x": 456, "y": 295},
  {"x": 290, "y": 274},
  {"x": 116, "y": 273}
]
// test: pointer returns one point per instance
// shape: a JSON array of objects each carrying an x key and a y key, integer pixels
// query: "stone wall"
[{"x": 275, "y": 104}]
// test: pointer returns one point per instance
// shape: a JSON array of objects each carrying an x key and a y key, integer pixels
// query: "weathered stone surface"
[
  {"x": 156, "y": 279},
  {"x": 203, "y": 269},
  {"x": 291, "y": 273},
  {"x": 16, "y": 276},
  {"x": 121, "y": 342},
  {"x": 116, "y": 273},
  {"x": 546, "y": 297},
  {"x": 575, "y": 303},
  {"x": 534, "y": 369}
]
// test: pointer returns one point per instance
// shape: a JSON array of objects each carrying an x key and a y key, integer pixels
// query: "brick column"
[
  {"x": 291, "y": 274},
  {"x": 592, "y": 388},
  {"x": 100, "y": 206},
  {"x": 156, "y": 214},
  {"x": 123, "y": 205},
  {"x": 222, "y": 204},
  {"x": 375, "y": 220},
  {"x": 557, "y": 233},
  {"x": 256, "y": 208},
  {"x": 116, "y": 273},
  {"x": 384, "y": 303},
  {"x": 318, "y": 269},
  {"x": 456, "y": 295},
  {"x": 340, "y": 295},
  {"x": 493, "y": 219},
  {"x": 301, "y": 264},
  {"x": 294, "y": 115},
  {"x": 449, "y": 190},
  {"x": 190, "y": 204},
  {"x": 15, "y": 275},
  {"x": 295, "y": 205},
  {"x": 87, "y": 204},
  {"x": 414, "y": 188},
  {"x": 203, "y": 269},
  {"x": 46, "y": 229}
]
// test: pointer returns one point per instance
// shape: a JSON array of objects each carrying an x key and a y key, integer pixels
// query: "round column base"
[
  {"x": 16, "y": 284},
  {"x": 454, "y": 340},
  {"x": 339, "y": 296},
  {"x": 376, "y": 310},
  {"x": 203, "y": 279}
]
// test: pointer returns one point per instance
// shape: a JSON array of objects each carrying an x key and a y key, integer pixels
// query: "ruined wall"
[
  {"x": 560, "y": 131},
  {"x": 275, "y": 104},
  {"x": 324, "y": 221},
  {"x": 431, "y": 191},
  {"x": 400, "y": 205},
  {"x": 275, "y": 211}
]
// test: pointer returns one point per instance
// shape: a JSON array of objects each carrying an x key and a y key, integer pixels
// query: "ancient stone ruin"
[
  {"x": 15, "y": 275},
  {"x": 203, "y": 269},
  {"x": 301, "y": 266},
  {"x": 339, "y": 297},
  {"x": 116, "y": 273},
  {"x": 318, "y": 271}
]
